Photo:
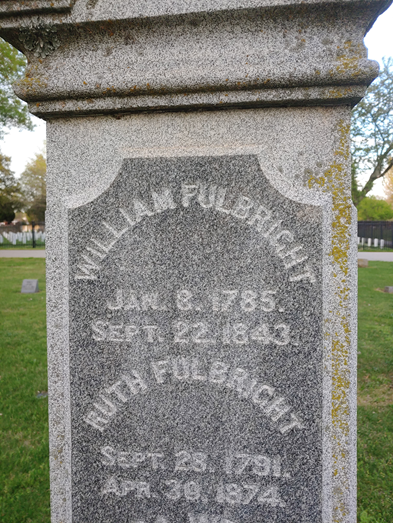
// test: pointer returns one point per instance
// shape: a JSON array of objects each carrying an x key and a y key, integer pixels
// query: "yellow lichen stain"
[
  {"x": 31, "y": 84},
  {"x": 348, "y": 59},
  {"x": 334, "y": 181},
  {"x": 340, "y": 92}
]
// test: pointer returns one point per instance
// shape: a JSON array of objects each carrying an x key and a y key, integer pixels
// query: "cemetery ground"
[
  {"x": 365, "y": 248},
  {"x": 21, "y": 246},
  {"x": 24, "y": 470}
]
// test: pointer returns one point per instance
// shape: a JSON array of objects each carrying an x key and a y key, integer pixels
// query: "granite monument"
[{"x": 201, "y": 254}]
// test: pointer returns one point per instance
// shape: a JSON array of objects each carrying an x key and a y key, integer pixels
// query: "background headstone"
[
  {"x": 29, "y": 286},
  {"x": 362, "y": 262},
  {"x": 389, "y": 290}
]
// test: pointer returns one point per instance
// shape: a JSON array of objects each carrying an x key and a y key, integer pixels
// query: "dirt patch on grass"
[{"x": 379, "y": 397}]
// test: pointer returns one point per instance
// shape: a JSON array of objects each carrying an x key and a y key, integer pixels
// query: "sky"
[{"x": 22, "y": 146}]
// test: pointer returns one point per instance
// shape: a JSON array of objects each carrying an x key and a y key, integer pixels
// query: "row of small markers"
[
  {"x": 377, "y": 243},
  {"x": 23, "y": 237}
]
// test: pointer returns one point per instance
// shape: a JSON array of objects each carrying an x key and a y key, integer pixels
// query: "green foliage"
[
  {"x": 13, "y": 112},
  {"x": 373, "y": 208},
  {"x": 10, "y": 191},
  {"x": 372, "y": 133},
  {"x": 24, "y": 470},
  {"x": 33, "y": 180}
]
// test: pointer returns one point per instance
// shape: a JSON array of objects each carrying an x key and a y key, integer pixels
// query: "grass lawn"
[
  {"x": 24, "y": 483},
  {"x": 375, "y": 394},
  {"x": 373, "y": 249}
]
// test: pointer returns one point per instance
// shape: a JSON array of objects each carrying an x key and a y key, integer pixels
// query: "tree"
[
  {"x": 388, "y": 186},
  {"x": 372, "y": 133},
  {"x": 374, "y": 209},
  {"x": 33, "y": 180},
  {"x": 11, "y": 199},
  {"x": 13, "y": 112}
]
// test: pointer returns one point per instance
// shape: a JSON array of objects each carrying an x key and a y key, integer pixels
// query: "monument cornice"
[
  {"x": 118, "y": 58},
  {"x": 14, "y": 9},
  {"x": 80, "y": 11}
]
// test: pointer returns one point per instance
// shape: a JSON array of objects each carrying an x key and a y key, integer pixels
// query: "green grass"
[
  {"x": 24, "y": 481},
  {"x": 375, "y": 394},
  {"x": 373, "y": 249}
]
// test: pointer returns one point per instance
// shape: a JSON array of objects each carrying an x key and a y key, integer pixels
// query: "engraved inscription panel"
[{"x": 196, "y": 347}]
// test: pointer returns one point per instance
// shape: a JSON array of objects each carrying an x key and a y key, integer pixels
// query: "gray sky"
[{"x": 23, "y": 145}]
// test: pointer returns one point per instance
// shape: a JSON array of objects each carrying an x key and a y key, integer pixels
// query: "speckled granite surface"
[
  {"x": 201, "y": 263},
  {"x": 190, "y": 274},
  {"x": 196, "y": 346}
]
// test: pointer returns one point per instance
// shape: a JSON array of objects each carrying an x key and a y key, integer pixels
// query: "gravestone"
[
  {"x": 29, "y": 287},
  {"x": 362, "y": 262},
  {"x": 389, "y": 290},
  {"x": 201, "y": 255}
]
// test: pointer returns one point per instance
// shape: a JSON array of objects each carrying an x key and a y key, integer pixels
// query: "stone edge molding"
[
  {"x": 17, "y": 8},
  {"x": 99, "y": 57}
]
